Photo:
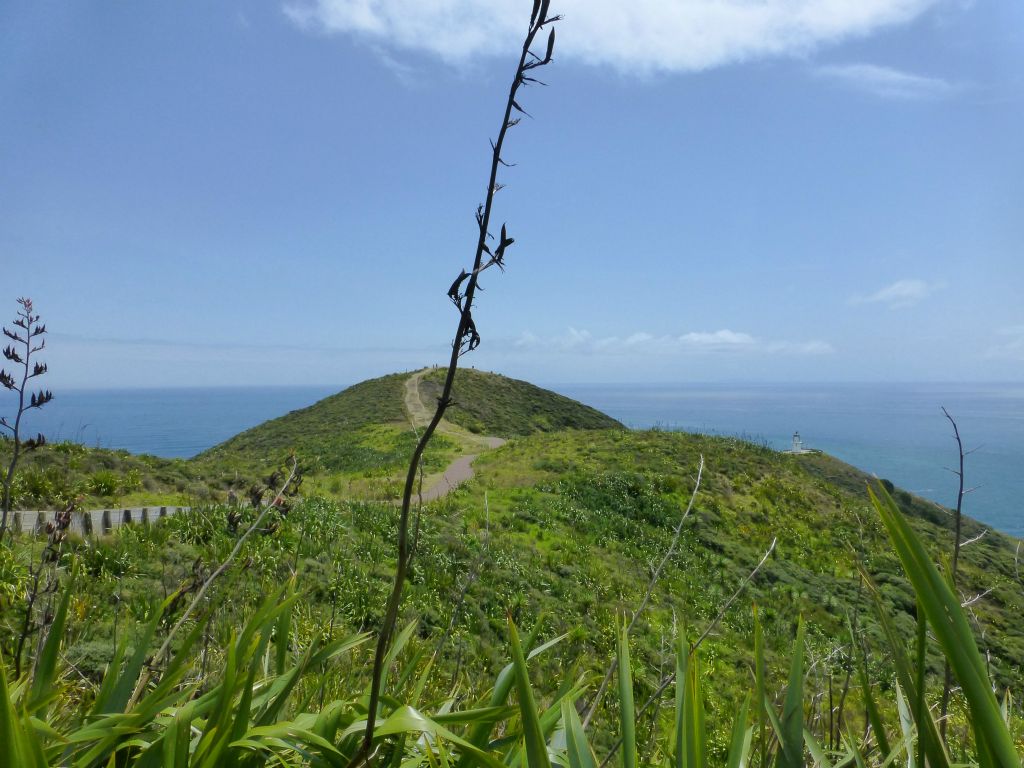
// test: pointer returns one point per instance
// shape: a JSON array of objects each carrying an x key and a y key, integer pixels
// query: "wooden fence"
[{"x": 94, "y": 522}]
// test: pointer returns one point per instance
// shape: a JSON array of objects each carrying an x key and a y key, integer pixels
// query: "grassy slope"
[
  {"x": 492, "y": 404},
  {"x": 587, "y": 516},
  {"x": 353, "y": 444},
  {"x": 51, "y": 476},
  {"x": 356, "y": 443},
  {"x": 572, "y": 524},
  {"x": 333, "y": 431}
]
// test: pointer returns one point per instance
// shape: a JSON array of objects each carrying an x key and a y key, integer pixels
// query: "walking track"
[{"x": 461, "y": 469}]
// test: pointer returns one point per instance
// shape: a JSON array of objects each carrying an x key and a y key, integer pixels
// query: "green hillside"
[
  {"x": 335, "y": 432},
  {"x": 562, "y": 531},
  {"x": 366, "y": 430},
  {"x": 51, "y": 476},
  {"x": 492, "y": 404}
]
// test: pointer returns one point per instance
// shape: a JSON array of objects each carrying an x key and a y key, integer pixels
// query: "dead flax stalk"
[
  {"x": 462, "y": 293},
  {"x": 947, "y": 682},
  {"x": 647, "y": 595}
]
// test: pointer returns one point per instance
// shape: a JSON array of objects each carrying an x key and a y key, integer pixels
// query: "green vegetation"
[
  {"x": 491, "y": 404},
  {"x": 272, "y": 686},
  {"x": 360, "y": 428},
  {"x": 57, "y": 473},
  {"x": 559, "y": 531}
]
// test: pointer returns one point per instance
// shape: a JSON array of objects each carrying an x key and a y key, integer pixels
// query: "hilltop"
[
  {"x": 359, "y": 440},
  {"x": 492, "y": 404}
]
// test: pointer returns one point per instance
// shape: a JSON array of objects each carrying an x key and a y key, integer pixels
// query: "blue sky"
[{"x": 201, "y": 193}]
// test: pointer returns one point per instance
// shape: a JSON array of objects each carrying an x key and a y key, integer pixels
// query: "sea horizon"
[{"x": 893, "y": 430}]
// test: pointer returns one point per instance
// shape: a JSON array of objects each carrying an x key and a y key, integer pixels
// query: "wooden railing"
[{"x": 94, "y": 522}]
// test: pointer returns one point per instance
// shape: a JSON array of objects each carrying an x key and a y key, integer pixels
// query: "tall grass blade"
[
  {"x": 953, "y": 633},
  {"x": 739, "y": 744},
  {"x": 536, "y": 748},
  {"x": 696, "y": 732},
  {"x": 816, "y": 751},
  {"x": 282, "y": 636},
  {"x": 15, "y": 746},
  {"x": 578, "y": 748},
  {"x": 906, "y": 677},
  {"x": 791, "y": 751},
  {"x": 681, "y": 717},
  {"x": 480, "y": 733},
  {"x": 871, "y": 709},
  {"x": 45, "y": 671},
  {"x": 627, "y": 710},
  {"x": 760, "y": 691}
]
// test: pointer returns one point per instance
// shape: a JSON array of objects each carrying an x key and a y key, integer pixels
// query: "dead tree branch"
[
  {"x": 647, "y": 595},
  {"x": 669, "y": 678}
]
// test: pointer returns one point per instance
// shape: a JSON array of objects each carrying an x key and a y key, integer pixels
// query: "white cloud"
[
  {"x": 901, "y": 294},
  {"x": 1010, "y": 345},
  {"x": 694, "y": 342},
  {"x": 630, "y": 35},
  {"x": 888, "y": 83}
]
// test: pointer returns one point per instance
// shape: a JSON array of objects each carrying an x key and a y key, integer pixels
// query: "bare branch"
[
  {"x": 736, "y": 594},
  {"x": 979, "y": 537},
  {"x": 972, "y": 600},
  {"x": 647, "y": 595},
  {"x": 669, "y": 678},
  {"x": 201, "y": 593}
]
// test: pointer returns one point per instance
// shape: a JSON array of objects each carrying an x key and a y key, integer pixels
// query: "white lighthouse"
[{"x": 798, "y": 446}]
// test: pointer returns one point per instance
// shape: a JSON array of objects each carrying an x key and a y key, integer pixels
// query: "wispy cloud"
[
  {"x": 693, "y": 342},
  {"x": 899, "y": 295},
  {"x": 640, "y": 35},
  {"x": 888, "y": 83},
  {"x": 1010, "y": 344}
]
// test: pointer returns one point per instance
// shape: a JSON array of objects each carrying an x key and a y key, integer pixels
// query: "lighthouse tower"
[{"x": 798, "y": 444}]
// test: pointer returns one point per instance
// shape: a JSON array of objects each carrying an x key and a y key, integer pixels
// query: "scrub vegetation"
[
  {"x": 593, "y": 596},
  {"x": 558, "y": 531}
]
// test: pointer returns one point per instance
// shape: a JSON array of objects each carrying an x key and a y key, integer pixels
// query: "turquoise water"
[{"x": 894, "y": 431}]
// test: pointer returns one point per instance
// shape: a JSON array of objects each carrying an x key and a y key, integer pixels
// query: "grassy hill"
[
  {"x": 354, "y": 443},
  {"x": 358, "y": 442},
  {"x": 562, "y": 529},
  {"x": 492, "y": 404}
]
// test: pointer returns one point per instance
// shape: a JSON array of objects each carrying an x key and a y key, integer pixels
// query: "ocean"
[{"x": 895, "y": 431}]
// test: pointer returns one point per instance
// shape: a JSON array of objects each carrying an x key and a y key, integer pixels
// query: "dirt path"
[{"x": 460, "y": 470}]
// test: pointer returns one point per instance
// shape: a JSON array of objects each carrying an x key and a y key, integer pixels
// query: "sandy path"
[{"x": 460, "y": 470}]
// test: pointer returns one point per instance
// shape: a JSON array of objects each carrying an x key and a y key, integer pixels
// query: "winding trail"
[{"x": 461, "y": 469}]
